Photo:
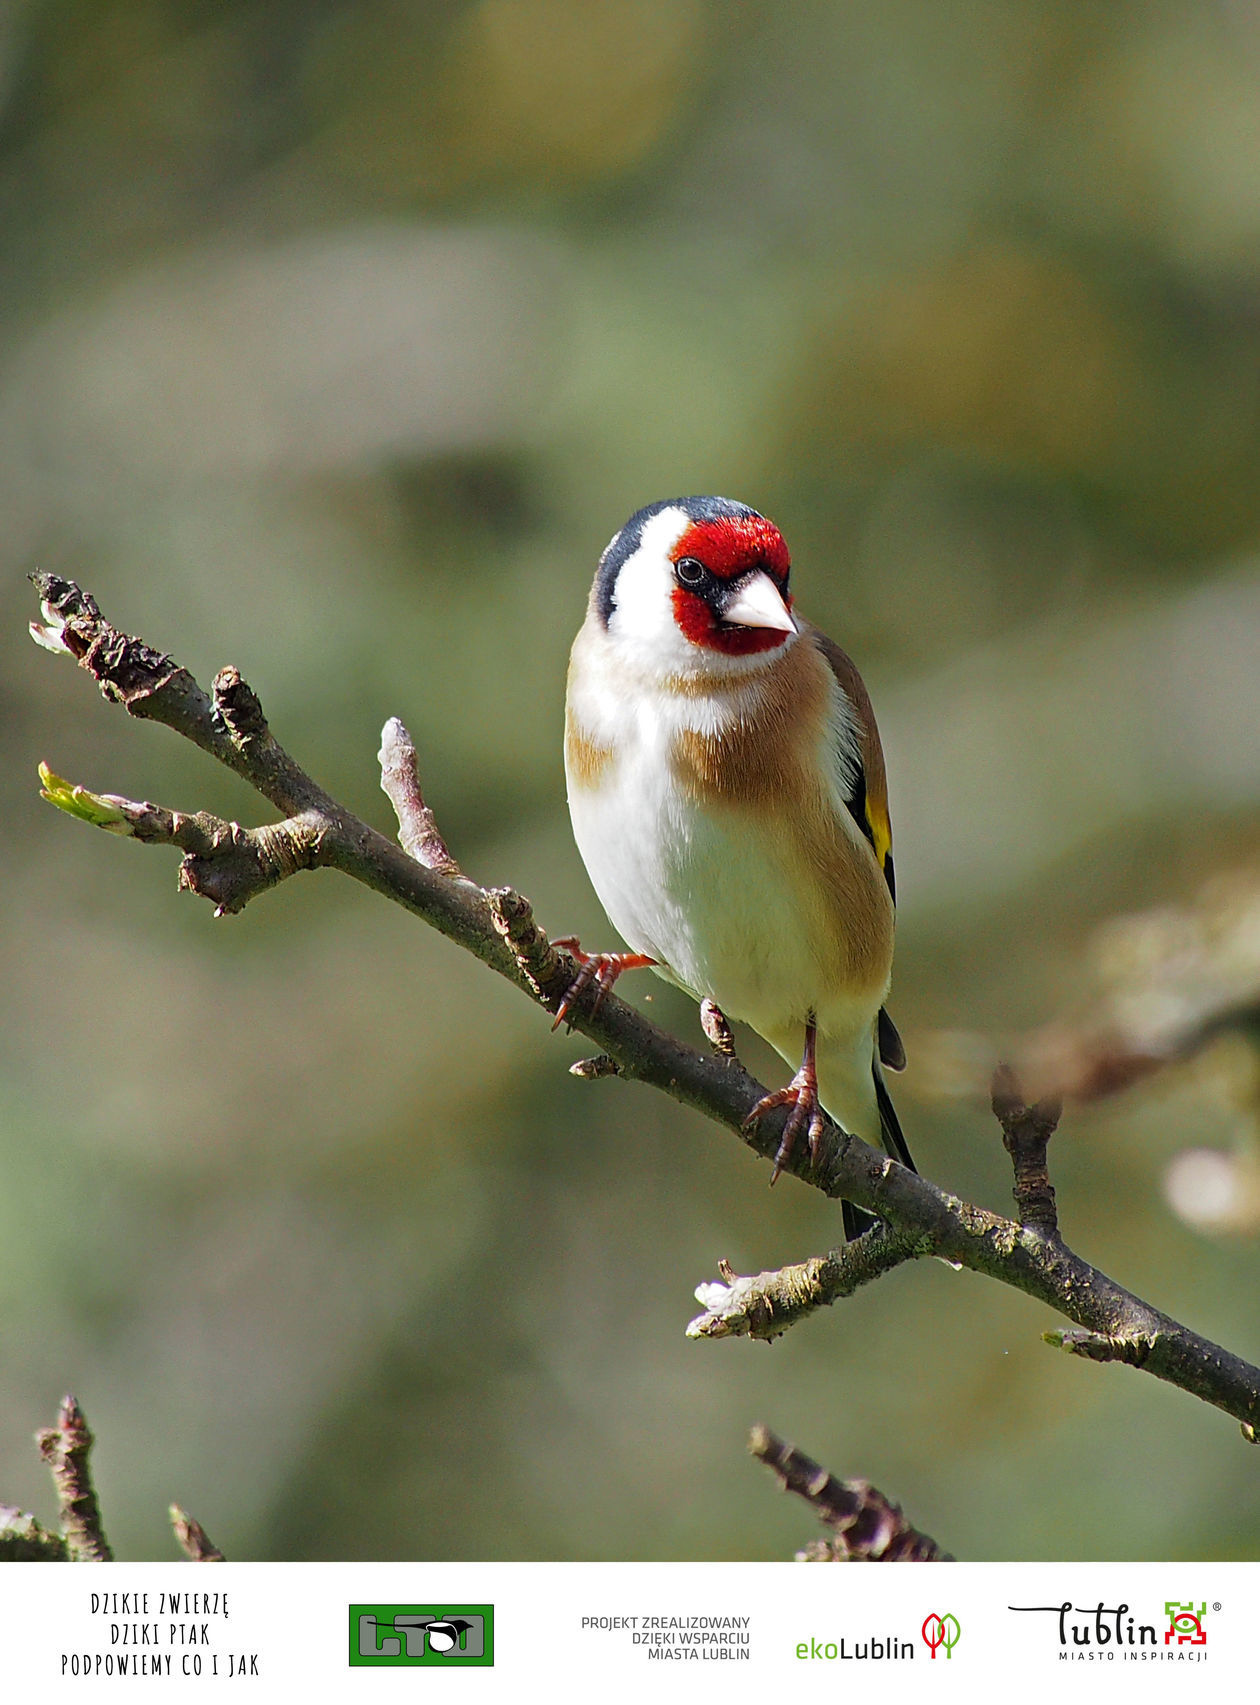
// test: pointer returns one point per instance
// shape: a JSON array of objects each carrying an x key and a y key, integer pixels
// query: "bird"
[{"x": 728, "y": 796}]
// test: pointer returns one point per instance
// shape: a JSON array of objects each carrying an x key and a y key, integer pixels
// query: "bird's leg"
[
  {"x": 602, "y": 969},
  {"x": 802, "y": 1096}
]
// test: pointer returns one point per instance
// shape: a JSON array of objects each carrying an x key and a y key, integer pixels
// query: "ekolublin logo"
[
  {"x": 939, "y": 1634},
  {"x": 446, "y": 1635}
]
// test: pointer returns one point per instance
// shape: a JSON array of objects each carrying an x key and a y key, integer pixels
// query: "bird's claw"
[
  {"x": 602, "y": 969},
  {"x": 807, "y": 1114}
]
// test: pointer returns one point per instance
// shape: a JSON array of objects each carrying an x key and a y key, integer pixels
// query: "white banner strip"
[{"x": 697, "y": 1632}]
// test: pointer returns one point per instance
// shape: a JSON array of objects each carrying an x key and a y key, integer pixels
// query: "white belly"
[{"x": 714, "y": 897}]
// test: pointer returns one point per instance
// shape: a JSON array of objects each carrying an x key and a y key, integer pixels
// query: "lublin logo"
[
  {"x": 1185, "y": 1623},
  {"x": 435, "y": 1635},
  {"x": 941, "y": 1633},
  {"x": 1103, "y": 1632}
]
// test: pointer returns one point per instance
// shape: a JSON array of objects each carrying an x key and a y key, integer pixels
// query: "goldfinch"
[{"x": 727, "y": 790}]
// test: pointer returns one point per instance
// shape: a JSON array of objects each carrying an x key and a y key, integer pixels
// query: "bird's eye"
[{"x": 690, "y": 571}]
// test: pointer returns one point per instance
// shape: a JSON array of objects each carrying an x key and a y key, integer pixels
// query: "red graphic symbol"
[{"x": 940, "y": 1633}]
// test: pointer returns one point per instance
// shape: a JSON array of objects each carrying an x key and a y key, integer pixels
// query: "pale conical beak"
[{"x": 759, "y": 604}]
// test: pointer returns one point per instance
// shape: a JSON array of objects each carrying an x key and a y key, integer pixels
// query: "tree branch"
[
  {"x": 400, "y": 782},
  {"x": 1026, "y": 1132},
  {"x": 197, "y": 1544},
  {"x": 67, "y": 1448},
  {"x": 23, "y": 1540},
  {"x": 230, "y": 865},
  {"x": 867, "y": 1527},
  {"x": 765, "y": 1306}
]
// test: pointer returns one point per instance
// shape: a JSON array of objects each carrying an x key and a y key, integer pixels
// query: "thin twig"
[
  {"x": 400, "y": 782},
  {"x": 1026, "y": 1133},
  {"x": 66, "y": 1449},
  {"x": 225, "y": 864},
  {"x": 197, "y": 1544},
  {"x": 868, "y": 1527},
  {"x": 765, "y": 1306}
]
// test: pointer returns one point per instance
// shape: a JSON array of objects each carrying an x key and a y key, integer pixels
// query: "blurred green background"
[{"x": 338, "y": 338}]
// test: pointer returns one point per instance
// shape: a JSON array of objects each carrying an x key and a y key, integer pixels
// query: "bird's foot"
[
  {"x": 602, "y": 969},
  {"x": 807, "y": 1114}
]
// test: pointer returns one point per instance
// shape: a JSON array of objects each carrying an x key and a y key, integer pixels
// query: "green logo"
[
  {"x": 449, "y": 1635},
  {"x": 940, "y": 1633}
]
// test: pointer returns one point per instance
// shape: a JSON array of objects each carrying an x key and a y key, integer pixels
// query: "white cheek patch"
[{"x": 642, "y": 620}]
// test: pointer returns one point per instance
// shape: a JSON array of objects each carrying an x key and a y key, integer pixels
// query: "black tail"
[
  {"x": 890, "y": 1125},
  {"x": 857, "y": 1220}
]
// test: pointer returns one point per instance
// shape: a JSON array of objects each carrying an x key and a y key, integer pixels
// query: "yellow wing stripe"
[{"x": 881, "y": 832}]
